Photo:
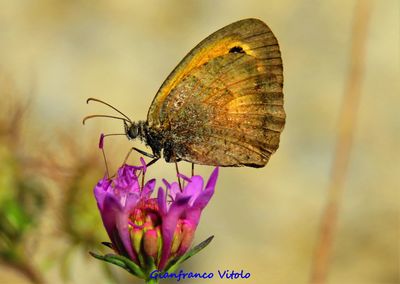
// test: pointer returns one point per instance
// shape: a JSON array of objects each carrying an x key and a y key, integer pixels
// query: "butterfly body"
[{"x": 223, "y": 104}]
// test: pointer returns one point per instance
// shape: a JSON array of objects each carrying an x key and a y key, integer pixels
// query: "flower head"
[{"x": 142, "y": 228}]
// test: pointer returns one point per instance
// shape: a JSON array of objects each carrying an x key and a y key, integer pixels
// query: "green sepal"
[
  {"x": 123, "y": 262},
  {"x": 174, "y": 264}
]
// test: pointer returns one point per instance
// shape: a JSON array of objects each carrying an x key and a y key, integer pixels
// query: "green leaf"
[
  {"x": 136, "y": 270},
  {"x": 121, "y": 261},
  {"x": 109, "y": 259},
  {"x": 173, "y": 265}
]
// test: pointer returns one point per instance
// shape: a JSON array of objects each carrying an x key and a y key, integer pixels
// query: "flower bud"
[
  {"x": 176, "y": 242},
  {"x": 150, "y": 243},
  {"x": 136, "y": 238},
  {"x": 188, "y": 231}
]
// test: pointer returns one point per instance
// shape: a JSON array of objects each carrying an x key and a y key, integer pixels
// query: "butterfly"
[{"x": 222, "y": 105}]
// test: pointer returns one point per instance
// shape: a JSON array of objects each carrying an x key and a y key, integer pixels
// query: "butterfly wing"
[{"x": 223, "y": 104}]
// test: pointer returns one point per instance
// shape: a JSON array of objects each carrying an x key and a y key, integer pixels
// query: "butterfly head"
[
  {"x": 131, "y": 130},
  {"x": 134, "y": 130}
]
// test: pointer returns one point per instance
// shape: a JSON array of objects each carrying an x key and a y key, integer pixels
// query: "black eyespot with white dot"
[{"x": 236, "y": 49}]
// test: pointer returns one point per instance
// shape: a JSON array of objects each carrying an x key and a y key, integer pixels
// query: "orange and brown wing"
[{"x": 223, "y": 104}]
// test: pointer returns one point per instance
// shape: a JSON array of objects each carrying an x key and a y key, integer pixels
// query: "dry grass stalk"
[{"x": 346, "y": 128}]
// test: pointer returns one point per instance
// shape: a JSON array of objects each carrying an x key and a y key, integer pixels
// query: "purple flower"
[{"x": 161, "y": 228}]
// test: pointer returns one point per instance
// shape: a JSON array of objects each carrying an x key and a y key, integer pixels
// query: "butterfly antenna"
[
  {"x": 104, "y": 115},
  {"x": 107, "y": 104},
  {"x": 115, "y": 134}
]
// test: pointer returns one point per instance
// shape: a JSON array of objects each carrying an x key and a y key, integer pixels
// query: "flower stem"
[{"x": 152, "y": 281}]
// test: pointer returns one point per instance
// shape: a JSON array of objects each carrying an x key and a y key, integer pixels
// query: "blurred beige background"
[{"x": 54, "y": 54}]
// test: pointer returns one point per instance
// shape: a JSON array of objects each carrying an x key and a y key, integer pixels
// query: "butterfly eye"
[{"x": 132, "y": 131}]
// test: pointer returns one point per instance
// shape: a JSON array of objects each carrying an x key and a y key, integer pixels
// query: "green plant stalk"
[{"x": 151, "y": 281}]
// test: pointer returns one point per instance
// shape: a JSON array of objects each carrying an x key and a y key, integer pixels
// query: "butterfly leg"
[
  {"x": 141, "y": 152},
  {"x": 178, "y": 174},
  {"x": 148, "y": 165},
  {"x": 153, "y": 161},
  {"x": 144, "y": 153},
  {"x": 192, "y": 169}
]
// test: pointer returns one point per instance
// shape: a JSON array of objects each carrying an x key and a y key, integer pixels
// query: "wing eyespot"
[{"x": 236, "y": 49}]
